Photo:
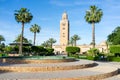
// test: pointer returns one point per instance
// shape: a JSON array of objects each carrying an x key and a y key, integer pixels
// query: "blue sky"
[{"x": 48, "y": 13}]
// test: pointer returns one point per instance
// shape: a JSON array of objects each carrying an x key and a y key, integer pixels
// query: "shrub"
[
  {"x": 112, "y": 58},
  {"x": 115, "y": 49},
  {"x": 49, "y": 51},
  {"x": 3, "y": 55},
  {"x": 93, "y": 57},
  {"x": 93, "y": 52},
  {"x": 72, "y": 50},
  {"x": 41, "y": 51},
  {"x": 82, "y": 57},
  {"x": 8, "y": 49},
  {"x": 37, "y": 49},
  {"x": 0, "y": 54}
]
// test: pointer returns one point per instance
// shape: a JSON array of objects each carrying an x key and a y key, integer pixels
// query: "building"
[{"x": 64, "y": 38}]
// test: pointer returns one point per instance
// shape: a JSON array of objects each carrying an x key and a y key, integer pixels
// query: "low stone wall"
[
  {"x": 93, "y": 77},
  {"x": 24, "y": 61},
  {"x": 44, "y": 68}
]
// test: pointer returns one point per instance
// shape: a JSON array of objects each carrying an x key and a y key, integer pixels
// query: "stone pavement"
[
  {"x": 115, "y": 64},
  {"x": 102, "y": 68}
]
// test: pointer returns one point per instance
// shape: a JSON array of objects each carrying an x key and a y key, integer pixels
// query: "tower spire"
[{"x": 64, "y": 16}]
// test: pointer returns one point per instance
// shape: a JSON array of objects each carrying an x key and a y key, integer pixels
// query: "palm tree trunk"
[
  {"x": 34, "y": 38},
  {"x": 72, "y": 43},
  {"x": 21, "y": 39},
  {"x": 51, "y": 45},
  {"x": 75, "y": 43},
  {"x": 93, "y": 35},
  {"x": 107, "y": 47}
]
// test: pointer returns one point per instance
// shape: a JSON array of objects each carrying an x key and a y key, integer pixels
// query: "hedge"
[
  {"x": 49, "y": 51},
  {"x": 37, "y": 49},
  {"x": 115, "y": 49},
  {"x": 72, "y": 50},
  {"x": 41, "y": 51},
  {"x": 112, "y": 58}
]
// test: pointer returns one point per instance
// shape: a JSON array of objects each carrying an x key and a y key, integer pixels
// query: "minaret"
[{"x": 64, "y": 30}]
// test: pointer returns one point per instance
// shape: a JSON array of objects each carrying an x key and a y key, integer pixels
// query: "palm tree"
[
  {"x": 45, "y": 44},
  {"x": 25, "y": 40},
  {"x": 93, "y": 16},
  {"x": 51, "y": 41},
  {"x": 23, "y": 16},
  {"x": 1, "y": 38},
  {"x": 75, "y": 38},
  {"x": 35, "y": 29}
]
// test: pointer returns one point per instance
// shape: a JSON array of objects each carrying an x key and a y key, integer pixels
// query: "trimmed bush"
[
  {"x": 49, "y": 51},
  {"x": 72, "y": 50},
  {"x": 115, "y": 49},
  {"x": 112, "y": 58},
  {"x": 93, "y": 58},
  {"x": 37, "y": 49},
  {"x": 41, "y": 51}
]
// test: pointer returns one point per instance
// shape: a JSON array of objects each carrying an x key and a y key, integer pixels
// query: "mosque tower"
[{"x": 64, "y": 30}]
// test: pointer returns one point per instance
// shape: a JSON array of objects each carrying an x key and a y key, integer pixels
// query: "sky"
[{"x": 48, "y": 13}]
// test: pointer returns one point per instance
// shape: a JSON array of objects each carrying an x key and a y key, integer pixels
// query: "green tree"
[
  {"x": 75, "y": 38},
  {"x": 93, "y": 16},
  {"x": 2, "y": 46},
  {"x": 114, "y": 37},
  {"x": 8, "y": 49},
  {"x": 1, "y": 38},
  {"x": 51, "y": 41},
  {"x": 45, "y": 44},
  {"x": 23, "y": 16},
  {"x": 35, "y": 29},
  {"x": 25, "y": 40}
]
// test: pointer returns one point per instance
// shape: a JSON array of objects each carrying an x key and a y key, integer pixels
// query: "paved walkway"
[
  {"x": 100, "y": 69},
  {"x": 57, "y": 74},
  {"x": 114, "y": 64}
]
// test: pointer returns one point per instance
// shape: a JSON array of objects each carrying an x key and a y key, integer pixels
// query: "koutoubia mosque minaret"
[
  {"x": 64, "y": 30},
  {"x": 64, "y": 38}
]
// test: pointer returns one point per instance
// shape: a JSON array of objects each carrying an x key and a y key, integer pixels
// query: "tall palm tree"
[
  {"x": 35, "y": 29},
  {"x": 23, "y": 16},
  {"x": 1, "y": 38},
  {"x": 93, "y": 16},
  {"x": 75, "y": 38},
  {"x": 51, "y": 41}
]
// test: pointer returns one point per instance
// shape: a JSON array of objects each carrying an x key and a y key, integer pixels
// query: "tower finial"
[{"x": 64, "y": 16}]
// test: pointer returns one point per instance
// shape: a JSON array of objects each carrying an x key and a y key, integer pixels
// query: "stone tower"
[{"x": 64, "y": 30}]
